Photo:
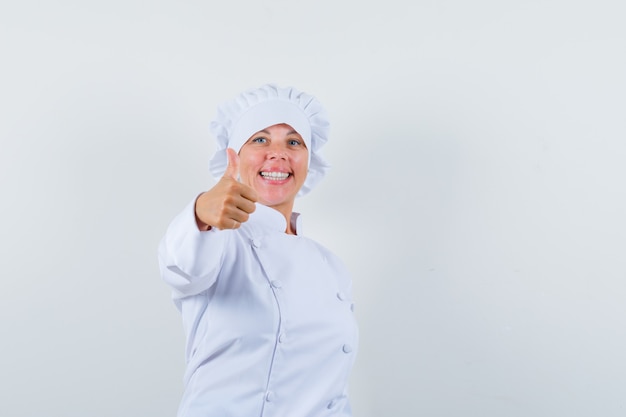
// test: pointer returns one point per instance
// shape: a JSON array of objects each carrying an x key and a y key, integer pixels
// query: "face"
[{"x": 274, "y": 162}]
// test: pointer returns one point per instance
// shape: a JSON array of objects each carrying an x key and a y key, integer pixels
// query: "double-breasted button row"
[{"x": 343, "y": 297}]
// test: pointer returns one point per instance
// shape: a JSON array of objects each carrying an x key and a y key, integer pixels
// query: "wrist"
[{"x": 202, "y": 226}]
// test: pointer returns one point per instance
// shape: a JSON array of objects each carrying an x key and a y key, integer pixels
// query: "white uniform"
[{"x": 268, "y": 319}]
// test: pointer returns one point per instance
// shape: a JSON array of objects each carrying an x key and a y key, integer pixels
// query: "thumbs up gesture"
[{"x": 229, "y": 203}]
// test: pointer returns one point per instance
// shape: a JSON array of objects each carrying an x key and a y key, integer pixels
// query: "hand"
[{"x": 229, "y": 203}]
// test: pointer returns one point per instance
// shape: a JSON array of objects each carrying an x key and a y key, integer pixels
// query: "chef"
[{"x": 267, "y": 312}]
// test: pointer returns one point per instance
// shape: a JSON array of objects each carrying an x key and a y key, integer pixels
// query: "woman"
[{"x": 267, "y": 312}]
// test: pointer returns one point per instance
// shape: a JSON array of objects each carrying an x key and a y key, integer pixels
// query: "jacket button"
[
  {"x": 256, "y": 243},
  {"x": 276, "y": 283},
  {"x": 341, "y": 296},
  {"x": 281, "y": 338},
  {"x": 269, "y": 397},
  {"x": 347, "y": 348}
]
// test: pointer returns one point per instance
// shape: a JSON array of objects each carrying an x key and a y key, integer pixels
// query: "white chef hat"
[{"x": 269, "y": 105}]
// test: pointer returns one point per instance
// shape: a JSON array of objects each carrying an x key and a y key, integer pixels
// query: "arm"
[
  {"x": 190, "y": 259},
  {"x": 192, "y": 250}
]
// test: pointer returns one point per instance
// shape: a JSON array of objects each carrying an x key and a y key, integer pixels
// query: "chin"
[{"x": 276, "y": 200}]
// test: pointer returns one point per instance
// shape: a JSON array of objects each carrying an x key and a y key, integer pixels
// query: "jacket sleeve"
[{"x": 189, "y": 259}]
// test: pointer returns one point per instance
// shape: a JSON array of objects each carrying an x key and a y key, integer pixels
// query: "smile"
[{"x": 275, "y": 175}]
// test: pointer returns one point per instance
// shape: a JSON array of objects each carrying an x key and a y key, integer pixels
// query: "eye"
[
  {"x": 259, "y": 139},
  {"x": 294, "y": 142}
]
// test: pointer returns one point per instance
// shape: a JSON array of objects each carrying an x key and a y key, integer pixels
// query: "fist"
[{"x": 229, "y": 203}]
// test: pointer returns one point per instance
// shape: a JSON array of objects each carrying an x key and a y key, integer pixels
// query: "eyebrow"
[{"x": 289, "y": 133}]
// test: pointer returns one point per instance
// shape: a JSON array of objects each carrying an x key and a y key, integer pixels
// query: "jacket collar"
[{"x": 267, "y": 219}]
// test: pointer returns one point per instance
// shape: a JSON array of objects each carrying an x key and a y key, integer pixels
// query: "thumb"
[{"x": 232, "y": 170}]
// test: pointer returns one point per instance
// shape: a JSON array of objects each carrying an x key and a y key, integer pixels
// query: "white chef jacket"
[{"x": 268, "y": 319}]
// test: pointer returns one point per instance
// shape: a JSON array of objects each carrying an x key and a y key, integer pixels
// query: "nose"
[{"x": 276, "y": 152}]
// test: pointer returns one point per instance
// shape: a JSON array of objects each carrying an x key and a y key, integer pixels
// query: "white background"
[{"x": 477, "y": 194}]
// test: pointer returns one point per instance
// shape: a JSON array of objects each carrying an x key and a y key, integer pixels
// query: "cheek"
[
  {"x": 247, "y": 172},
  {"x": 247, "y": 163},
  {"x": 303, "y": 162}
]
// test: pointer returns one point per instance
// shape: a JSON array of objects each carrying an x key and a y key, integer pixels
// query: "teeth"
[{"x": 275, "y": 175}]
